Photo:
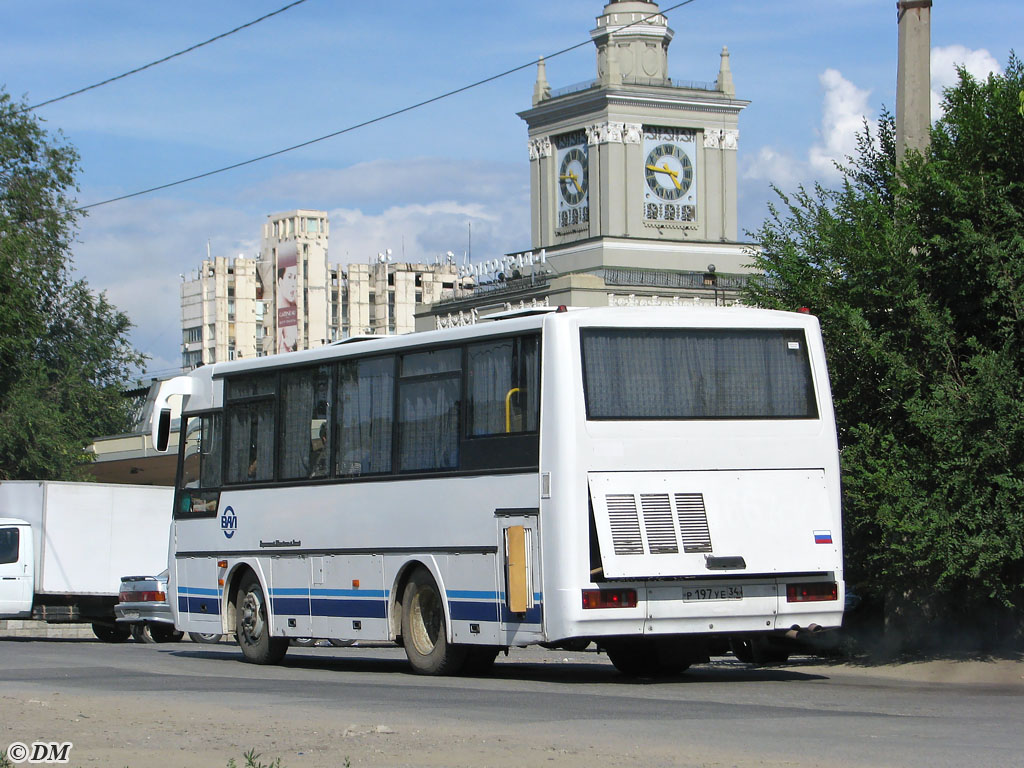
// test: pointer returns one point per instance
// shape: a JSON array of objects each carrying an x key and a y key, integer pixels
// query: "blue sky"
[{"x": 812, "y": 69}]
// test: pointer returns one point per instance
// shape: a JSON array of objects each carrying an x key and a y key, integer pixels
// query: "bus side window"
[
  {"x": 429, "y": 401},
  {"x": 304, "y": 427},
  {"x": 249, "y": 415},
  {"x": 504, "y": 391},
  {"x": 364, "y": 412}
]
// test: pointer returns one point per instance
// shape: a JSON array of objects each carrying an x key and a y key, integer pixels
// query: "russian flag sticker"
[{"x": 823, "y": 537}]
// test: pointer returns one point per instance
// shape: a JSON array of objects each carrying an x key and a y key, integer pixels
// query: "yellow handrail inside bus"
[{"x": 508, "y": 409}]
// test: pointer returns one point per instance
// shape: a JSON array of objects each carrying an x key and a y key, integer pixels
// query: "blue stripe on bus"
[
  {"x": 473, "y": 611},
  {"x": 291, "y": 606},
  {"x": 198, "y": 591},
  {"x": 364, "y": 609},
  {"x": 198, "y": 604},
  {"x": 348, "y": 593},
  {"x": 469, "y": 594},
  {"x": 532, "y": 616}
]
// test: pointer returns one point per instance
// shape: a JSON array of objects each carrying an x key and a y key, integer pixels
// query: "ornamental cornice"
[
  {"x": 721, "y": 138},
  {"x": 540, "y": 148}
]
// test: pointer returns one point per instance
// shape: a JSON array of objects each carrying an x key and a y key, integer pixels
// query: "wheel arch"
[
  {"x": 232, "y": 582},
  {"x": 429, "y": 564}
]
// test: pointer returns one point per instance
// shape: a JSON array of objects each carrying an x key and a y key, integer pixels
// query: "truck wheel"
[
  {"x": 253, "y": 625},
  {"x": 111, "y": 634},
  {"x": 424, "y": 629}
]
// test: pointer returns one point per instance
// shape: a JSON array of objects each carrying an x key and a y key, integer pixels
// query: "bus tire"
[
  {"x": 253, "y": 625},
  {"x": 424, "y": 629},
  {"x": 642, "y": 658},
  {"x": 480, "y": 659}
]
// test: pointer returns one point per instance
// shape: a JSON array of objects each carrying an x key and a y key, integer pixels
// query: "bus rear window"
[{"x": 691, "y": 373}]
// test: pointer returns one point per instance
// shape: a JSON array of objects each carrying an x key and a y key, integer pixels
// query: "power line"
[
  {"x": 165, "y": 58},
  {"x": 371, "y": 121}
]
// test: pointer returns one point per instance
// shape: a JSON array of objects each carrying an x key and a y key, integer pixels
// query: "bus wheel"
[
  {"x": 424, "y": 629},
  {"x": 253, "y": 625},
  {"x": 641, "y": 658},
  {"x": 480, "y": 659}
]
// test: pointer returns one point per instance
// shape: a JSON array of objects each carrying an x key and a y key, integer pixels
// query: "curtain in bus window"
[
  {"x": 429, "y": 424},
  {"x": 503, "y": 376},
  {"x": 490, "y": 380},
  {"x": 210, "y": 452},
  {"x": 191, "y": 465},
  {"x": 251, "y": 448},
  {"x": 364, "y": 413},
  {"x": 304, "y": 432},
  {"x": 697, "y": 374}
]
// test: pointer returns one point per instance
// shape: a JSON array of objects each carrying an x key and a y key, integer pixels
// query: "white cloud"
[
  {"x": 419, "y": 232},
  {"x": 778, "y": 168},
  {"x": 135, "y": 250},
  {"x": 944, "y": 62},
  {"x": 844, "y": 112}
]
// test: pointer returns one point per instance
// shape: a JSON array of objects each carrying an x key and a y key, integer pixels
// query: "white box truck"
[{"x": 65, "y": 546}]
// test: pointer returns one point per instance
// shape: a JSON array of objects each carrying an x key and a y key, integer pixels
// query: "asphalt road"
[{"x": 191, "y": 704}]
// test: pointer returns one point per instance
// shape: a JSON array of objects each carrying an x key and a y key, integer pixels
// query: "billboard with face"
[{"x": 287, "y": 297}]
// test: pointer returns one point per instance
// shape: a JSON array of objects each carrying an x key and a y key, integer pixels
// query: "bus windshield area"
[{"x": 685, "y": 373}]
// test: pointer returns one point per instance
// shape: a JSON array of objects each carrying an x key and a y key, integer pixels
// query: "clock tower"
[
  {"x": 635, "y": 169},
  {"x": 632, "y": 185}
]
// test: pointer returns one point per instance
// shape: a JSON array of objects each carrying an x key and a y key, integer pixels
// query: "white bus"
[{"x": 660, "y": 481}]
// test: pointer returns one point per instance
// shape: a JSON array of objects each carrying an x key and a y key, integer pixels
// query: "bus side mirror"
[{"x": 163, "y": 430}]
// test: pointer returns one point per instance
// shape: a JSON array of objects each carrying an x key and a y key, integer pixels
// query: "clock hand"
[
  {"x": 670, "y": 172},
  {"x": 575, "y": 181}
]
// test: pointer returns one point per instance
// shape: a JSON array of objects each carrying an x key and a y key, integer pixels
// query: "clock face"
[
  {"x": 670, "y": 175},
  {"x": 669, "y": 172},
  {"x": 572, "y": 166},
  {"x": 572, "y": 176}
]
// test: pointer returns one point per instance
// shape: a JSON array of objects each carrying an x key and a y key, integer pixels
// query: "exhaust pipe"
[{"x": 796, "y": 632}]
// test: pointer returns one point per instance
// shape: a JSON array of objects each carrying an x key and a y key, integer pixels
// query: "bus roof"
[{"x": 512, "y": 323}]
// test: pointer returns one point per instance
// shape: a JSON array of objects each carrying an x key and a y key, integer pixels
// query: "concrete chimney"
[{"x": 913, "y": 76}]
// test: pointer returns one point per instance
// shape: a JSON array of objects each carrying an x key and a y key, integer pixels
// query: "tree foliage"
[
  {"x": 64, "y": 353},
  {"x": 916, "y": 271}
]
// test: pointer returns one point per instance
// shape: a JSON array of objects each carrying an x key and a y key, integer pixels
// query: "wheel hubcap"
[
  {"x": 253, "y": 617},
  {"x": 426, "y": 620}
]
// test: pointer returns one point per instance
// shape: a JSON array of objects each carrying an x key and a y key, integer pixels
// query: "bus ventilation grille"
[{"x": 660, "y": 524}]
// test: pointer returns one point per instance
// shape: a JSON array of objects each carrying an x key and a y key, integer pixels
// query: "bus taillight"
[
  {"x": 609, "y": 598},
  {"x": 807, "y": 593}
]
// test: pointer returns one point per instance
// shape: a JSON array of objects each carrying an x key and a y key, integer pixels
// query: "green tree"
[
  {"x": 916, "y": 271},
  {"x": 64, "y": 353}
]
